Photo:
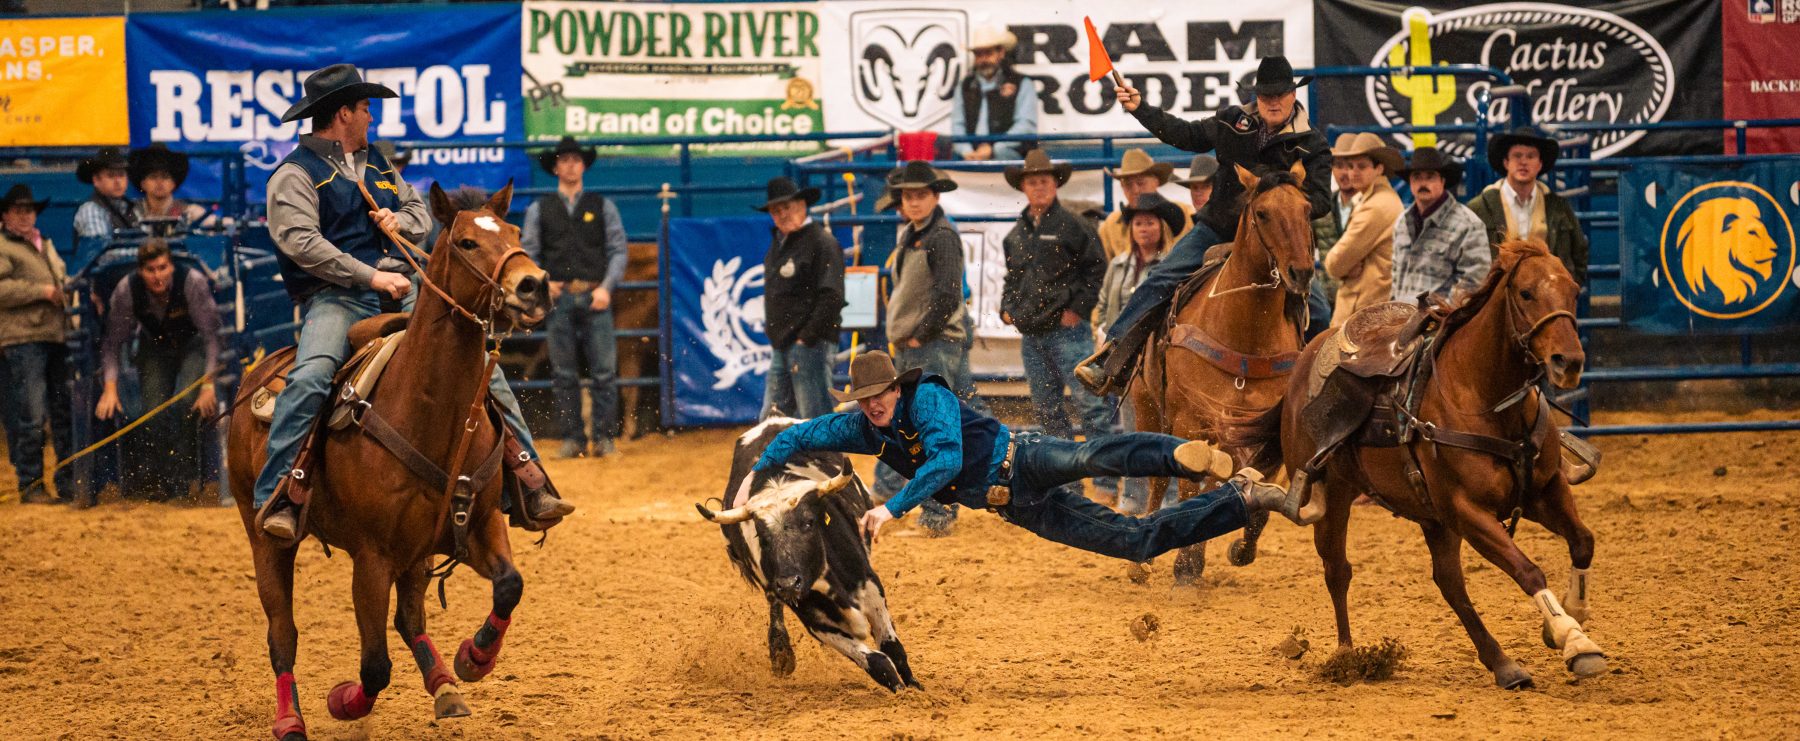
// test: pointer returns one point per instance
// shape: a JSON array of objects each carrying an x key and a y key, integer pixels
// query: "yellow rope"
[{"x": 61, "y": 464}]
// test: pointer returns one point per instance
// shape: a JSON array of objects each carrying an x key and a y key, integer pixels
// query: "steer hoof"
[
  {"x": 1137, "y": 573},
  {"x": 1587, "y": 665},
  {"x": 467, "y": 668},
  {"x": 1511, "y": 676},
  {"x": 1241, "y": 553},
  {"x": 781, "y": 661},
  {"x": 449, "y": 703},
  {"x": 1190, "y": 565}
]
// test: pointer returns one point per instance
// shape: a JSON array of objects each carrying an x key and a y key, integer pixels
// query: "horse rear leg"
[
  {"x": 1190, "y": 561},
  {"x": 1446, "y": 570},
  {"x": 275, "y": 588},
  {"x": 409, "y": 622},
  {"x": 1329, "y": 538},
  {"x": 369, "y": 587},
  {"x": 490, "y": 554},
  {"x": 1555, "y": 510},
  {"x": 1581, "y": 655}
]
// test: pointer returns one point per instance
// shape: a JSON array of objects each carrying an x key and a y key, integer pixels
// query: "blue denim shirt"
[{"x": 933, "y": 410}]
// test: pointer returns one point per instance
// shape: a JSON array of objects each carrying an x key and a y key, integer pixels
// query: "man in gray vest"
[{"x": 577, "y": 237}]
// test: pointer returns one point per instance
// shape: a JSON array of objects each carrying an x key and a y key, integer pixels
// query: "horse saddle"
[
  {"x": 1363, "y": 375},
  {"x": 372, "y": 344}
]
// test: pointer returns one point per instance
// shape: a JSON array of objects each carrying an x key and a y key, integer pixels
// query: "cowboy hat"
[
  {"x": 1037, "y": 162},
  {"x": 872, "y": 373},
  {"x": 337, "y": 85},
  {"x": 1431, "y": 159},
  {"x": 1201, "y": 170},
  {"x": 1158, "y": 206},
  {"x": 108, "y": 158},
  {"x": 21, "y": 193},
  {"x": 1368, "y": 145},
  {"x": 547, "y": 158},
  {"x": 392, "y": 153},
  {"x": 1138, "y": 162},
  {"x": 1529, "y": 136},
  {"x": 157, "y": 158},
  {"x": 919, "y": 174},
  {"x": 987, "y": 37},
  {"x": 781, "y": 189},
  {"x": 1274, "y": 76}
]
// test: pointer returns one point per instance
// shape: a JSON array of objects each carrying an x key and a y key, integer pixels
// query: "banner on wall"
[
  {"x": 897, "y": 65},
  {"x": 62, "y": 82},
  {"x": 1710, "y": 248},
  {"x": 223, "y": 80},
  {"x": 617, "y": 70},
  {"x": 1631, "y": 61},
  {"x": 1762, "y": 73}
]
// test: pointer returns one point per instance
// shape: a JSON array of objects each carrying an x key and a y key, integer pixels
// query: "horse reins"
[{"x": 1274, "y": 265}]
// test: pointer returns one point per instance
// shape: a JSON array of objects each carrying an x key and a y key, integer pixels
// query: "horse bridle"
[
  {"x": 1515, "y": 316},
  {"x": 493, "y": 295},
  {"x": 1274, "y": 264}
]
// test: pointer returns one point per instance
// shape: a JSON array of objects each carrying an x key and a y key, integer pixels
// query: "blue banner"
[
  {"x": 223, "y": 80},
  {"x": 1710, "y": 248}
]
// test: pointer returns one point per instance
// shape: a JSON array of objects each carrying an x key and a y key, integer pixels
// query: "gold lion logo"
[{"x": 1720, "y": 236}]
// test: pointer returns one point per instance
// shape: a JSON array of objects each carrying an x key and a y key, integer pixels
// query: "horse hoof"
[
  {"x": 1512, "y": 677},
  {"x": 1587, "y": 665},
  {"x": 467, "y": 668},
  {"x": 1137, "y": 573},
  {"x": 1241, "y": 553},
  {"x": 449, "y": 703},
  {"x": 347, "y": 701}
]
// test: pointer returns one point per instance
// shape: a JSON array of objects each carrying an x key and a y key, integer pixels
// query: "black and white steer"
[{"x": 792, "y": 532}]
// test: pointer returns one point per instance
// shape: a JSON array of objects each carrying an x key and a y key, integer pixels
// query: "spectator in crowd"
[
  {"x": 1267, "y": 135},
  {"x": 994, "y": 99},
  {"x": 33, "y": 323},
  {"x": 1199, "y": 182},
  {"x": 107, "y": 209},
  {"x": 170, "y": 308},
  {"x": 159, "y": 172},
  {"x": 1522, "y": 207},
  {"x": 398, "y": 159},
  {"x": 803, "y": 302},
  {"x": 1053, "y": 272},
  {"x": 1440, "y": 246},
  {"x": 577, "y": 236},
  {"x": 1362, "y": 258},
  {"x": 1151, "y": 219},
  {"x": 1137, "y": 175},
  {"x": 1327, "y": 228},
  {"x": 332, "y": 253}
]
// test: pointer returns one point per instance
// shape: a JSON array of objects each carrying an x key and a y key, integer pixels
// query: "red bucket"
[{"x": 918, "y": 145}]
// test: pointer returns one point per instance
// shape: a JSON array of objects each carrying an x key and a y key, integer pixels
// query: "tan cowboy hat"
[
  {"x": 873, "y": 373},
  {"x": 1037, "y": 162},
  {"x": 987, "y": 37},
  {"x": 1138, "y": 162},
  {"x": 1369, "y": 145}
]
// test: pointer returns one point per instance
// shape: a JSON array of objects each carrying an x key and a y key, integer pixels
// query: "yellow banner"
[{"x": 62, "y": 82}]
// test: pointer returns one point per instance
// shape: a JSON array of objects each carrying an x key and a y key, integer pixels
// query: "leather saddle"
[
  {"x": 372, "y": 344},
  {"x": 1365, "y": 373}
]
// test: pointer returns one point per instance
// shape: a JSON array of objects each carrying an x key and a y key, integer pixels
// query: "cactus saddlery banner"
[{"x": 1639, "y": 61}]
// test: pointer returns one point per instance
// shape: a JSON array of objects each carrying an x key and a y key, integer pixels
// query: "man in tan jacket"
[
  {"x": 32, "y": 326},
  {"x": 1138, "y": 175},
  {"x": 1363, "y": 257}
]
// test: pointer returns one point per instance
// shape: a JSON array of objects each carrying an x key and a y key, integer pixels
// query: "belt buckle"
[{"x": 999, "y": 495}]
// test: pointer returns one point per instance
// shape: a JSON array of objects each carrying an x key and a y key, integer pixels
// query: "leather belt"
[{"x": 1000, "y": 493}]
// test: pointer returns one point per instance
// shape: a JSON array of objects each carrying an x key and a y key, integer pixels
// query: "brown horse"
[
  {"x": 1480, "y": 398},
  {"x": 388, "y": 519},
  {"x": 1236, "y": 340}
]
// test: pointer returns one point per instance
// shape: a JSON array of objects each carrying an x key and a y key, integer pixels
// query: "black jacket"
[
  {"x": 803, "y": 287},
  {"x": 1055, "y": 266},
  {"x": 1232, "y": 135}
]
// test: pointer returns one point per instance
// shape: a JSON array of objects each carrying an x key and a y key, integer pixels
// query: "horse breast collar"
[{"x": 1241, "y": 365}]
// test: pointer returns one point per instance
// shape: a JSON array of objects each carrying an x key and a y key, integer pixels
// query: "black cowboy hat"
[
  {"x": 338, "y": 84},
  {"x": 918, "y": 174},
  {"x": 1530, "y": 136},
  {"x": 158, "y": 158},
  {"x": 1158, "y": 206},
  {"x": 872, "y": 373},
  {"x": 547, "y": 158},
  {"x": 1431, "y": 159},
  {"x": 1037, "y": 162},
  {"x": 1274, "y": 76},
  {"x": 21, "y": 193},
  {"x": 780, "y": 189},
  {"x": 109, "y": 158}
]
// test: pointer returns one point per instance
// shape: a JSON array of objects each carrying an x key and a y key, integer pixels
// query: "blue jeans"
[
  {"x": 323, "y": 347},
  {"x": 577, "y": 332},
  {"x": 1318, "y": 306},
  {"x": 165, "y": 453},
  {"x": 1135, "y": 493},
  {"x": 1164, "y": 279},
  {"x": 950, "y": 359},
  {"x": 799, "y": 381},
  {"x": 1044, "y": 504},
  {"x": 38, "y": 392},
  {"x": 1050, "y": 361}
]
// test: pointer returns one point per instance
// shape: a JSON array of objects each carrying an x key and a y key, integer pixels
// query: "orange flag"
[{"x": 1099, "y": 62}]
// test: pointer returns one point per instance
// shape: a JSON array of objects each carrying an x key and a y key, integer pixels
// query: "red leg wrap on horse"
[
  {"x": 431, "y": 664},
  {"x": 347, "y": 701},
  {"x": 488, "y": 638},
  {"x": 287, "y": 707}
]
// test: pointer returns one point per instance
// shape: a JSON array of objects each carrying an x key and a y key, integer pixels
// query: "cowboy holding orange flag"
[{"x": 1265, "y": 134}]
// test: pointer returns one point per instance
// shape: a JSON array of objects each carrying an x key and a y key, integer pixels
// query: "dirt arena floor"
[{"x": 141, "y": 621}]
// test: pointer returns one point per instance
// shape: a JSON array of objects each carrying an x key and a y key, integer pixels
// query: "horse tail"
[{"x": 1257, "y": 433}]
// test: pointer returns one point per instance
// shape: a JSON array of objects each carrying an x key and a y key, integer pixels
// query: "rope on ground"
[{"x": 134, "y": 424}]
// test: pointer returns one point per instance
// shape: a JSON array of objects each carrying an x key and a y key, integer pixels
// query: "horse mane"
[
  {"x": 1268, "y": 181},
  {"x": 1510, "y": 255},
  {"x": 469, "y": 198}
]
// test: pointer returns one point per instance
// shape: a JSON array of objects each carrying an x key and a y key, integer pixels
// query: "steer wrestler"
[{"x": 952, "y": 453}]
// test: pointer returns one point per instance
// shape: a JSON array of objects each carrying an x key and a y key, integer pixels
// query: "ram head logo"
[
  {"x": 1724, "y": 242},
  {"x": 908, "y": 64}
]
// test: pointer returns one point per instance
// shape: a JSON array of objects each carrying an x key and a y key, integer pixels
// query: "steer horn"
[
  {"x": 728, "y": 517},
  {"x": 836, "y": 483}
]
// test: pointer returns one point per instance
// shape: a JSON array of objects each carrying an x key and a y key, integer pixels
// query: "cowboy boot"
[
  {"x": 1200, "y": 459},
  {"x": 541, "y": 502},
  {"x": 282, "y": 521},
  {"x": 1262, "y": 497},
  {"x": 1091, "y": 371}
]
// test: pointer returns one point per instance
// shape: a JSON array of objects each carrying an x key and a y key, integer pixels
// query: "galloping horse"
[
  {"x": 1238, "y": 336},
  {"x": 390, "y": 520},
  {"x": 1483, "y": 444}
]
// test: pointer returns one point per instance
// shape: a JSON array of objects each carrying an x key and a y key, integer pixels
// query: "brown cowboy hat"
[
  {"x": 547, "y": 158},
  {"x": 1158, "y": 206},
  {"x": 1202, "y": 170},
  {"x": 108, "y": 158},
  {"x": 1432, "y": 159},
  {"x": 919, "y": 174},
  {"x": 1369, "y": 145},
  {"x": 1530, "y": 136},
  {"x": 1138, "y": 162},
  {"x": 1037, "y": 162},
  {"x": 873, "y": 373},
  {"x": 21, "y": 194}
]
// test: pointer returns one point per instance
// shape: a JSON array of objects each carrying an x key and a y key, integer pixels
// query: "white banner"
[{"x": 891, "y": 64}]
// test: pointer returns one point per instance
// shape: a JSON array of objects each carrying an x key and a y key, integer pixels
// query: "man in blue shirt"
[
  {"x": 995, "y": 99},
  {"x": 952, "y": 453}
]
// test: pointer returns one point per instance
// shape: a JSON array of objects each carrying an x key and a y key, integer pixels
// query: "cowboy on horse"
[{"x": 339, "y": 268}]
